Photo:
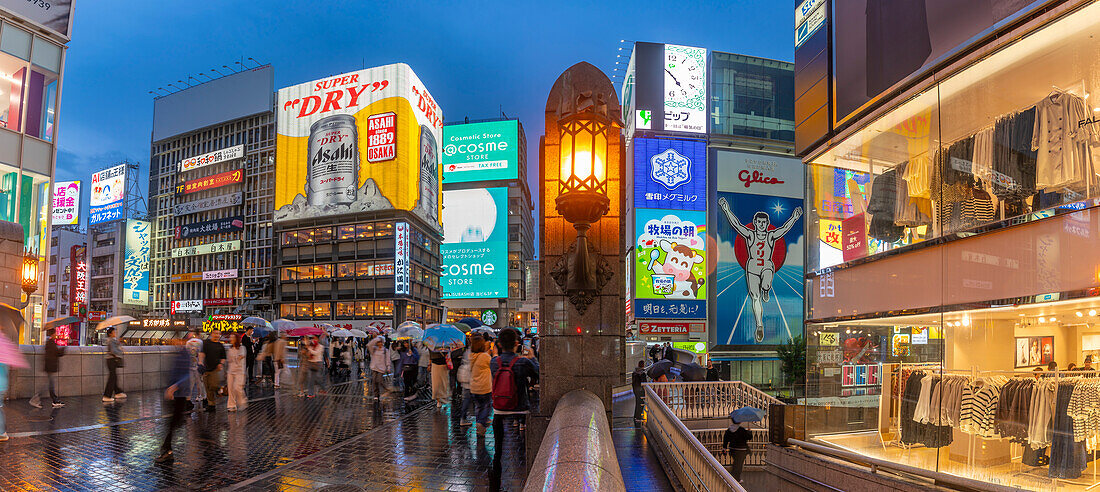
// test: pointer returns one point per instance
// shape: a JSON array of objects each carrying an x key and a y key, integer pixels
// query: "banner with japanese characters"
[
  {"x": 670, "y": 174},
  {"x": 135, "y": 273},
  {"x": 108, "y": 192},
  {"x": 66, "y": 203},
  {"x": 208, "y": 227},
  {"x": 758, "y": 229},
  {"x": 670, "y": 264},
  {"x": 474, "y": 252}
]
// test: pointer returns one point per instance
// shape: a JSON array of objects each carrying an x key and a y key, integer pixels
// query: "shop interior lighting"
[
  {"x": 1080, "y": 314},
  {"x": 1042, "y": 319},
  {"x": 1092, "y": 312}
]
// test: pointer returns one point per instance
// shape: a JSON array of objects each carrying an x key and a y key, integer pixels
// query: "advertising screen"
[
  {"x": 66, "y": 203},
  {"x": 53, "y": 15},
  {"x": 135, "y": 272},
  {"x": 108, "y": 192},
  {"x": 481, "y": 151},
  {"x": 670, "y": 264},
  {"x": 358, "y": 142},
  {"x": 670, "y": 174},
  {"x": 685, "y": 89},
  {"x": 474, "y": 252},
  {"x": 402, "y": 277},
  {"x": 759, "y": 276}
]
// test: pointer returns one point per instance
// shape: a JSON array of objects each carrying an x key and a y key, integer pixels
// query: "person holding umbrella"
[
  {"x": 114, "y": 361},
  {"x": 54, "y": 352},
  {"x": 737, "y": 436}
]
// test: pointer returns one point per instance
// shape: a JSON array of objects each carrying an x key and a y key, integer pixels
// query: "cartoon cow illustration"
[{"x": 679, "y": 260}]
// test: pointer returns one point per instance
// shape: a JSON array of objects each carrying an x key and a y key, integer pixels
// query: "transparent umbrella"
[{"x": 409, "y": 330}]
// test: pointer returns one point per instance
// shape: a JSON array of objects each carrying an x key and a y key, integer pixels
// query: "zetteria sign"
[
  {"x": 211, "y": 158},
  {"x": 670, "y": 174},
  {"x": 189, "y": 306}
]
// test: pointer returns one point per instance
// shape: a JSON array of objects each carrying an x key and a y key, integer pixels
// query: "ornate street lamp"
[
  {"x": 29, "y": 274},
  {"x": 585, "y": 130}
]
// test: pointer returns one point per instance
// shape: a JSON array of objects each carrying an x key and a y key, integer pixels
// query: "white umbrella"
[
  {"x": 328, "y": 328},
  {"x": 357, "y": 333},
  {"x": 341, "y": 333},
  {"x": 113, "y": 321},
  {"x": 283, "y": 324}
]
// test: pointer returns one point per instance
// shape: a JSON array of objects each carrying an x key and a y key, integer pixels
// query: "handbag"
[{"x": 464, "y": 372}]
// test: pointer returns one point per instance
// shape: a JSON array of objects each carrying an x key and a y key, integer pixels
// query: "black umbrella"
[
  {"x": 692, "y": 372},
  {"x": 660, "y": 368}
]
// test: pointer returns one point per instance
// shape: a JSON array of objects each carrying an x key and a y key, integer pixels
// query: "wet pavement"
[{"x": 279, "y": 441}]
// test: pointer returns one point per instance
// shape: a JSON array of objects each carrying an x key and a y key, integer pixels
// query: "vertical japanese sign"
[
  {"x": 78, "y": 279},
  {"x": 401, "y": 275},
  {"x": 474, "y": 252},
  {"x": 135, "y": 273},
  {"x": 66, "y": 203},
  {"x": 759, "y": 274},
  {"x": 108, "y": 191}
]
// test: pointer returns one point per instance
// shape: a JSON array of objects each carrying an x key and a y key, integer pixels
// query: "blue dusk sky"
[{"x": 477, "y": 58}]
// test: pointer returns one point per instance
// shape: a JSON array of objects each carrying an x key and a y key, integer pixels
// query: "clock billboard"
[{"x": 667, "y": 88}]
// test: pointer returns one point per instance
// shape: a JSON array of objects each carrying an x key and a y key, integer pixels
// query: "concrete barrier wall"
[
  {"x": 83, "y": 371},
  {"x": 577, "y": 452}
]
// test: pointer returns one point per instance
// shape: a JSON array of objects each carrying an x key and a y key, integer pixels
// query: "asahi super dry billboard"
[{"x": 363, "y": 141}]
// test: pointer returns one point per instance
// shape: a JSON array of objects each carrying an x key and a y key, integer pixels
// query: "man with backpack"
[{"x": 513, "y": 376}]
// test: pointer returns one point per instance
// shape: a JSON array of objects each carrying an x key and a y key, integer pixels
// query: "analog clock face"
[{"x": 685, "y": 77}]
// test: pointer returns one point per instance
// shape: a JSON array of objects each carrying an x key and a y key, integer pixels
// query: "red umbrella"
[
  {"x": 305, "y": 331},
  {"x": 10, "y": 354}
]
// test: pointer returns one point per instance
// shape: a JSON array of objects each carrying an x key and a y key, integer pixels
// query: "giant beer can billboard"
[{"x": 359, "y": 142}]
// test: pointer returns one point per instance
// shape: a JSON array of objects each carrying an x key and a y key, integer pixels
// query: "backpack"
[{"x": 505, "y": 390}]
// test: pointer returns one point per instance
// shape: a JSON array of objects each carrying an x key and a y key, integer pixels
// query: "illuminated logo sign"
[
  {"x": 474, "y": 253},
  {"x": 66, "y": 203},
  {"x": 381, "y": 137},
  {"x": 78, "y": 281},
  {"x": 189, "y": 306},
  {"x": 218, "y": 301},
  {"x": 215, "y": 157},
  {"x": 211, "y": 182},
  {"x": 211, "y": 203},
  {"x": 108, "y": 191},
  {"x": 205, "y": 228},
  {"x": 205, "y": 249},
  {"x": 662, "y": 328},
  {"x": 670, "y": 174},
  {"x": 489, "y": 317},
  {"x": 481, "y": 151}
]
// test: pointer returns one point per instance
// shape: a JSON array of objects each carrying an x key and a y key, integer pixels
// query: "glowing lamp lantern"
[{"x": 29, "y": 274}]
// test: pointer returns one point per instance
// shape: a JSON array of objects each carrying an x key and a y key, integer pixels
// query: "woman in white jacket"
[{"x": 235, "y": 373}]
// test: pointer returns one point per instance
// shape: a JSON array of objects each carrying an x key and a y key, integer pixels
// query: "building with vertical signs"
[
  {"x": 357, "y": 200},
  {"x": 210, "y": 186},
  {"x": 706, "y": 128}
]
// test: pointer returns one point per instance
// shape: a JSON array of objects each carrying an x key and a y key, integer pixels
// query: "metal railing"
[
  {"x": 712, "y": 440},
  {"x": 713, "y": 399},
  {"x": 694, "y": 465}
]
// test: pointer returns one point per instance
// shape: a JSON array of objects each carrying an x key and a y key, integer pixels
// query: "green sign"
[
  {"x": 694, "y": 347},
  {"x": 489, "y": 317},
  {"x": 481, "y": 151},
  {"x": 474, "y": 252}
]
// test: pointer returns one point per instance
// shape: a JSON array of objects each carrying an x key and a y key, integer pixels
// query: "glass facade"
[
  {"x": 751, "y": 97},
  {"x": 953, "y": 274}
]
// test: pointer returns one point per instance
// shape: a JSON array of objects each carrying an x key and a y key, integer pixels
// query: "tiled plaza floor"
[{"x": 89, "y": 445}]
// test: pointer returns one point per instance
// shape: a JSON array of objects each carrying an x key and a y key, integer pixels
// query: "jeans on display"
[{"x": 483, "y": 405}]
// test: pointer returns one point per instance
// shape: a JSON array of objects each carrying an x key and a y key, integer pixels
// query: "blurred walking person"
[
  {"x": 463, "y": 377},
  {"x": 3, "y": 389},
  {"x": 114, "y": 362},
  {"x": 379, "y": 366},
  {"x": 441, "y": 378},
  {"x": 196, "y": 392},
  {"x": 409, "y": 366},
  {"x": 636, "y": 379},
  {"x": 314, "y": 366},
  {"x": 250, "y": 354},
  {"x": 276, "y": 351},
  {"x": 236, "y": 372},
  {"x": 395, "y": 361},
  {"x": 212, "y": 362},
  {"x": 177, "y": 394},
  {"x": 54, "y": 352}
]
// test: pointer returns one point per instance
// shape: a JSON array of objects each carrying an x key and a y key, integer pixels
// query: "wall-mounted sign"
[
  {"x": 226, "y": 317},
  {"x": 218, "y": 301},
  {"x": 670, "y": 309},
  {"x": 809, "y": 17},
  {"x": 78, "y": 281},
  {"x": 108, "y": 191},
  {"x": 135, "y": 272},
  {"x": 212, "y": 203},
  {"x": 66, "y": 203},
  {"x": 215, "y": 157},
  {"x": 665, "y": 328},
  {"x": 401, "y": 270},
  {"x": 222, "y": 325},
  {"x": 670, "y": 256},
  {"x": 205, "y": 249},
  {"x": 474, "y": 252},
  {"x": 861, "y": 375},
  {"x": 160, "y": 323},
  {"x": 188, "y": 306},
  {"x": 670, "y": 174},
  {"x": 97, "y": 315},
  {"x": 481, "y": 151},
  {"x": 643, "y": 119},
  {"x": 1034, "y": 351},
  {"x": 186, "y": 277},
  {"x": 693, "y": 347},
  {"x": 828, "y": 339},
  {"x": 220, "y": 274},
  {"x": 489, "y": 317},
  {"x": 208, "y": 227},
  {"x": 381, "y": 137},
  {"x": 210, "y": 182}
]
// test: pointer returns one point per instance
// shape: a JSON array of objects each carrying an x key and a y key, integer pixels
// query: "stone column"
[
  {"x": 11, "y": 267},
  {"x": 580, "y": 348}
]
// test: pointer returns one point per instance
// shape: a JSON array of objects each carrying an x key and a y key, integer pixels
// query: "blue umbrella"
[
  {"x": 443, "y": 338},
  {"x": 747, "y": 414},
  {"x": 260, "y": 326}
]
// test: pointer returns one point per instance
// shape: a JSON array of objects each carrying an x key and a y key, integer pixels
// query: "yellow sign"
[
  {"x": 363, "y": 141},
  {"x": 830, "y": 232},
  {"x": 828, "y": 339},
  {"x": 186, "y": 277},
  {"x": 221, "y": 325}
]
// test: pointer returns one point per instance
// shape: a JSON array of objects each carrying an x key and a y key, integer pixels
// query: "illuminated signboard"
[
  {"x": 210, "y": 182},
  {"x": 668, "y": 328},
  {"x": 335, "y": 138},
  {"x": 108, "y": 191},
  {"x": 474, "y": 252},
  {"x": 211, "y": 203},
  {"x": 208, "y": 227},
  {"x": 135, "y": 272},
  {"x": 685, "y": 89},
  {"x": 66, "y": 203},
  {"x": 670, "y": 264},
  {"x": 207, "y": 275},
  {"x": 188, "y": 306},
  {"x": 481, "y": 151},
  {"x": 218, "y": 301},
  {"x": 401, "y": 270},
  {"x": 694, "y": 347},
  {"x": 78, "y": 281},
  {"x": 205, "y": 249},
  {"x": 215, "y": 157},
  {"x": 670, "y": 174},
  {"x": 222, "y": 325}
]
